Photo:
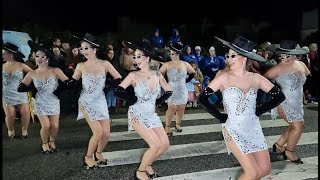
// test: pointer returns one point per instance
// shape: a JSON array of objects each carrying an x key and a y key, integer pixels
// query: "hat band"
[
  {"x": 175, "y": 48},
  {"x": 12, "y": 50},
  {"x": 286, "y": 49},
  {"x": 91, "y": 42},
  {"x": 240, "y": 48}
]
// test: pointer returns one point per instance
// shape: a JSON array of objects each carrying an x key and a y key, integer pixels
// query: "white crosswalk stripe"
[{"x": 280, "y": 169}]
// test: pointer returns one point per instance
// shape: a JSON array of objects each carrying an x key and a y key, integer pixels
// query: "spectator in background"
[
  {"x": 157, "y": 39},
  {"x": 175, "y": 37},
  {"x": 188, "y": 56},
  {"x": 31, "y": 62},
  {"x": 212, "y": 64},
  {"x": 199, "y": 57}
]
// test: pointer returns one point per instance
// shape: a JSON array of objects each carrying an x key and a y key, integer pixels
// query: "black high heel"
[
  {"x": 85, "y": 164},
  {"x": 275, "y": 149},
  {"x": 285, "y": 157},
  {"x": 45, "y": 151},
  {"x": 177, "y": 129},
  {"x": 100, "y": 163},
  {"x": 154, "y": 175},
  {"x": 53, "y": 149},
  {"x": 135, "y": 175},
  {"x": 170, "y": 133}
]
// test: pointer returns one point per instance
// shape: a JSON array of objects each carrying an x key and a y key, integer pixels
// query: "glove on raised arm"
[
  {"x": 210, "y": 108},
  {"x": 277, "y": 98}
]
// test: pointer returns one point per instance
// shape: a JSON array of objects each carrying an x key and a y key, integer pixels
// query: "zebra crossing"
[{"x": 204, "y": 154}]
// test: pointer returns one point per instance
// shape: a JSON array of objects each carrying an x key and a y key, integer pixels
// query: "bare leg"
[
  {"x": 25, "y": 118},
  {"x": 180, "y": 114},
  {"x": 251, "y": 163},
  {"x": 44, "y": 131},
  {"x": 164, "y": 145},
  {"x": 105, "y": 124},
  {"x": 154, "y": 143},
  {"x": 296, "y": 129},
  {"x": 54, "y": 127},
  {"x": 10, "y": 112},
  {"x": 97, "y": 132},
  {"x": 169, "y": 115}
]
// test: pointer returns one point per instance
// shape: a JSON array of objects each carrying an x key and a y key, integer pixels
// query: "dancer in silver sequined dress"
[
  {"x": 178, "y": 72},
  {"x": 92, "y": 102},
  {"x": 290, "y": 74},
  {"x": 142, "y": 116},
  {"x": 47, "y": 105},
  {"x": 12, "y": 74},
  {"x": 241, "y": 127}
]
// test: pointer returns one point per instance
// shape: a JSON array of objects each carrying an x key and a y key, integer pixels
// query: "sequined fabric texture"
[
  {"x": 143, "y": 111},
  {"x": 45, "y": 102},
  {"x": 92, "y": 98},
  {"x": 10, "y": 94},
  {"x": 292, "y": 88},
  {"x": 177, "y": 82},
  {"x": 242, "y": 125}
]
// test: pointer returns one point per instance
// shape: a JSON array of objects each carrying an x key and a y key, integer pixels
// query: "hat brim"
[
  {"x": 276, "y": 48},
  {"x": 250, "y": 55},
  {"x": 135, "y": 47},
  {"x": 36, "y": 47},
  {"x": 15, "y": 52}
]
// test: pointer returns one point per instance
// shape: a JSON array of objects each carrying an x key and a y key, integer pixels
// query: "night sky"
[{"x": 91, "y": 16}]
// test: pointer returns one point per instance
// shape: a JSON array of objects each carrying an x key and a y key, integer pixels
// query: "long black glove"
[
  {"x": 64, "y": 85},
  {"x": 126, "y": 94},
  {"x": 163, "y": 98},
  {"x": 190, "y": 77},
  {"x": 24, "y": 88},
  {"x": 277, "y": 97},
  {"x": 210, "y": 108}
]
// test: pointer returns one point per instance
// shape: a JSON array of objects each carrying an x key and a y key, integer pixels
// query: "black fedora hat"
[
  {"x": 37, "y": 47},
  {"x": 91, "y": 39},
  {"x": 147, "y": 48},
  {"x": 12, "y": 48},
  {"x": 177, "y": 47},
  {"x": 287, "y": 47},
  {"x": 244, "y": 47}
]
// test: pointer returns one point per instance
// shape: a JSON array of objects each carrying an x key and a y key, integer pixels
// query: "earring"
[{"x": 47, "y": 61}]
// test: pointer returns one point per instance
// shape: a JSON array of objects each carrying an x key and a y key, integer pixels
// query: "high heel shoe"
[
  {"x": 53, "y": 149},
  {"x": 275, "y": 149},
  {"x": 170, "y": 133},
  {"x": 85, "y": 164},
  {"x": 45, "y": 151},
  {"x": 285, "y": 157},
  {"x": 177, "y": 129},
  {"x": 153, "y": 175},
  {"x": 135, "y": 175},
  {"x": 100, "y": 163}
]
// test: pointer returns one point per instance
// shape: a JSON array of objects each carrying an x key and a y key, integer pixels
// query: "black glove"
[
  {"x": 210, "y": 108},
  {"x": 277, "y": 98},
  {"x": 126, "y": 94},
  {"x": 62, "y": 86},
  {"x": 190, "y": 77},
  {"x": 163, "y": 98},
  {"x": 24, "y": 88}
]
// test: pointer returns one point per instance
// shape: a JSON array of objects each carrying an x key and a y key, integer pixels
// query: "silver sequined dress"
[
  {"x": 45, "y": 102},
  {"x": 92, "y": 98},
  {"x": 143, "y": 111},
  {"x": 10, "y": 94},
  {"x": 177, "y": 82},
  {"x": 292, "y": 88},
  {"x": 242, "y": 123}
]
